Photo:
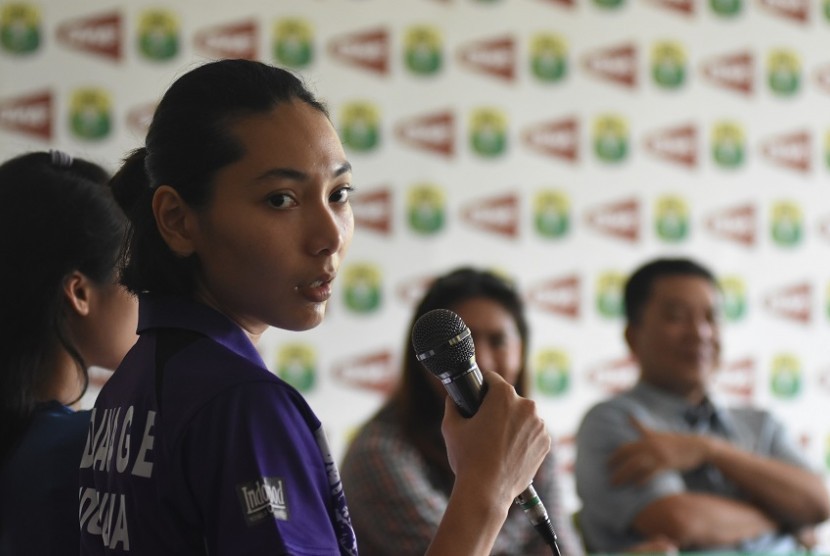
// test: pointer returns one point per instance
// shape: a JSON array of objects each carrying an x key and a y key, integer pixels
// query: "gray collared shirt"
[{"x": 608, "y": 512}]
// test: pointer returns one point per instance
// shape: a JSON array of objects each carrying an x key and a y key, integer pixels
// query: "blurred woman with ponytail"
[{"x": 62, "y": 311}]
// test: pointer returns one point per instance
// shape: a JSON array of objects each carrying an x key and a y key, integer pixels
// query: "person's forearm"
[
  {"x": 791, "y": 495},
  {"x": 694, "y": 520},
  {"x": 470, "y": 524}
]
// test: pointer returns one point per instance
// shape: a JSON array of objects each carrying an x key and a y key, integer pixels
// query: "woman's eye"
[
  {"x": 341, "y": 195},
  {"x": 280, "y": 200}
]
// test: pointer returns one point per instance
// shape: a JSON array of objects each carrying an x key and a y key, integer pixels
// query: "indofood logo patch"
[
  {"x": 826, "y": 9},
  {"x": 363, "y": 287},
  {"x": 90, "y": 113},
  {"x": 425, "y": 208},
  {"x": 158, "y": 35},
  {"x": 553, "y": 372},
  {"x": 784, "y": 72},
  {"x": 728, "y": 144},
  {"x": 488, "y": 132},
  {"x": 293, "y": 43},
  {"x": 20, "y": 28},
  {"x": 785, "y": 380},
  {"x": 726, "y": 8},
  {"x": 424, "y": 50},
  {"x": 296, "y": 365},
  {"x": 609, "y": 294},
  {"x": 668, "y": 64},
  {"x": 671, "y": 219},
  {"x": 549, "y": 57},
  {"x": 360, "y": 129},
  {"x": 609, "y": 4},
  {"x": 610, "y": 138},
  {"x": 786, "y": 224},
  {"x": 551, "y": 214},
  {"x": 263, "y": 498},
  {"x": 734, "y": 304}
]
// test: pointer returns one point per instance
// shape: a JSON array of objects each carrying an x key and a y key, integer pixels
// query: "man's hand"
[{"x": 637, "y": 462}]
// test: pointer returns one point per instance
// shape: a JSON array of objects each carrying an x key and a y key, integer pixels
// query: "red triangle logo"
[
  {"x": 736, "y": 380},
  {"x": 619, "y": 219},
  {"x": 559, "y": 139},
  {"x": 793, "y": 151},
  {"x": 792, "y": 302},
  {"x": 822, "y": 77},
  {"x": 233, "y": 40},
  {"x": 735, "y": 224},
  {"x": 411, "y": 291},
  {"x": 499, "y": 215},
  {"x": 30, "y": 114},
  {"x": 373, "y": 210},
  {"x": 732, "y": 71},
  {"x": 685, "y": 7},
  {"x": 433, "y": 132},
  {"x": 140, "y": 117},
  {"x": 100, "y": 35},
  {"x": 614, "y": 376},
  {"x": 677, "y": 145},
  {"x": 560, "y": 296},
  {"x": 368, "y": 50},
  {"x": 794, "y": 10},
  {"x": 377, "y": 372},
  {"x": 617, "y": 64},
  {"x": 496, "y": 57}
]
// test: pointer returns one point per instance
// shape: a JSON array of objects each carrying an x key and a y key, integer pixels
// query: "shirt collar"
[{"x": 172, "y": 311}]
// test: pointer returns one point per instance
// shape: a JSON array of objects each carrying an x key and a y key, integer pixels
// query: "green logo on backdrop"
[
  {"x": 425, "y": 208},
  {"x": 728, "y": 145},
  {"x": 90, "y": 114},
  {"x": 553, "y": 372},
  {"x": 423, "y": 53},
  {"x": 785, "y": 380},
  {"x": 671, "y": 219},
  {"x": 668, "y": 64},
  {"x": 158, "y": 35},
  {"x": 610, "y": 302},
  {"x": 609, "y": 4},
  {"x": 787, "y": 224},
  {"x": 733, "y": 290},
  {"x": 363, "y": 287},
  {"x": 784, "y": 72},
  {"x": 610, "y": 138},
  {"x": 293, "y": 44},
  {"x": 296, "y": 366},
  {"x": 20, "y": 28},
  {"x": 726, "y": 8},
  {"x": 488, "y": 132},
  {"x": 361, "y": 126},
  {"x": 551, "y": 214},
  {"x": 549, "y": 57}
]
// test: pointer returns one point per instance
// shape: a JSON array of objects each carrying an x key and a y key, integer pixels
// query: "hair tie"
[{"x": 60, "y": 158}]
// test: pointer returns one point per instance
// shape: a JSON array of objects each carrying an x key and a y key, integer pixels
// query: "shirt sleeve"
[
  {"x": 255, "y": 474},
  {"x": 608, "y": 511}
]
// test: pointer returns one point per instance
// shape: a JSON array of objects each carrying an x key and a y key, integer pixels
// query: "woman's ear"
[
  {"x": 173, "y": 218},
  {"x": 77, "y": 289}
]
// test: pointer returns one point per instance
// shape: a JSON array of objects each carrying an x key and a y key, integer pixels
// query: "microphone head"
[{"x": 442, "y": 341}]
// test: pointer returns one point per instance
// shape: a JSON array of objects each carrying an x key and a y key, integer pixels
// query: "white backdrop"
[{"x": 562, "y": 142}]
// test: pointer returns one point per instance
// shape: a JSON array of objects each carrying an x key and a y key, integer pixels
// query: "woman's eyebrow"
[{"x": 293, "y": 174}]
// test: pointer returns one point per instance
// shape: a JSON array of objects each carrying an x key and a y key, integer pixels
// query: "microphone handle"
[{"x": 467, "y": 390}]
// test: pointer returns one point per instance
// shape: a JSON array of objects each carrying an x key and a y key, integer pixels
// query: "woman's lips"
[{"x": 317, "y": 291}]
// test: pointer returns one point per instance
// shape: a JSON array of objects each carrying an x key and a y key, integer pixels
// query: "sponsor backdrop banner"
[{"x": 561, "y": 142}]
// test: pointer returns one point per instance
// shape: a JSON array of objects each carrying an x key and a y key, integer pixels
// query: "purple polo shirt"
[{"x": 232, "y": 461}]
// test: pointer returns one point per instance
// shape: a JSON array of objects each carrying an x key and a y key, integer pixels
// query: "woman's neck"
[{"x": 64, "y": 383}]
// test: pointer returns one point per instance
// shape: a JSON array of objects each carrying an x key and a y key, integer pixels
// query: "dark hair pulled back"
[{"x": 187, "y": 143}]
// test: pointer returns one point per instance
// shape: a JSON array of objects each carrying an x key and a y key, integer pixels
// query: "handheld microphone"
[{"x": 444, "y": 346}]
